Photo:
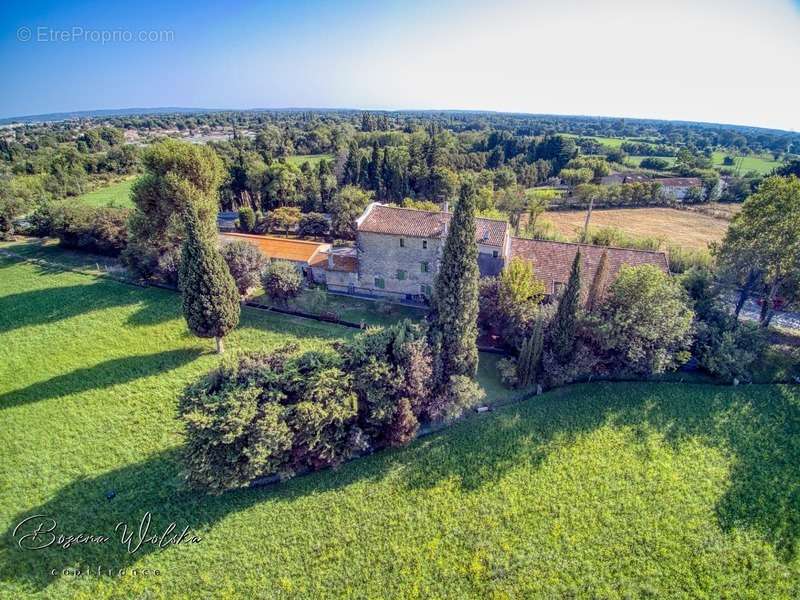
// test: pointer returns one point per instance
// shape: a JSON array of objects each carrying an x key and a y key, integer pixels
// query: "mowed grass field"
[
  {"x": 762, "y": 164},
  {"x": 116, "y": 194},
  {"x": 676, "y": 227},
  {"x": 609, "y": 490}
]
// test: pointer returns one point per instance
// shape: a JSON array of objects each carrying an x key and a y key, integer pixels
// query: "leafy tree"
[
  {"x": 313, "y": 224},
  {"x": 281, "y": 281},
  {"x": 284, "y": 218},
  {"x": 280, "y": 185},
  {"x": 178, "y": 175},
  {"x": 762, "y": 244},
  {"x": 518, "y": 284},
  {"x": 654, "y": 163},
  {"x": 454, "y": 305},
  {"x": 346, "y": 206},
  {"x": 575, "y": 177},
  {"x": 565, "y": 322},
  {"x": 210, "y": 299},
  {"x": 245, "y": 262},
  {"x": 645, "y": 323}
]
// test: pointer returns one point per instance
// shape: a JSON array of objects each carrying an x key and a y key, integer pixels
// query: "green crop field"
[
  {"x": 596, "y": 490},
  {"x": 312, "y": 159},
  {"x": 116, "y": 194}
]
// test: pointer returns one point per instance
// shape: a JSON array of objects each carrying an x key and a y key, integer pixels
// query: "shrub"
[
  {"x": 461, "y": 394},
  {"x": 260, "y": 414},
  {"x": 683, "y": 259},
  {"x": 507, "y": 368},
  {"x": 245, "y": 262},
  {"x": 169, "y": 265},
  {"x": 102, "y": 230},
  {"x": 284, "y": 413},
  {"x": 729, "y": 352},
  {"x": 247, "y": 219},
  {"x": 281, "y": 281}
]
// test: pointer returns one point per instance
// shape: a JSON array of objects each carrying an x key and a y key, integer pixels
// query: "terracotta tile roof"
[
  {"x": 302, "y": 251},
  {"x": 552, "y": 261},
  {"x": 679, "y": 181},
  {"x": 426, "y": 224}
]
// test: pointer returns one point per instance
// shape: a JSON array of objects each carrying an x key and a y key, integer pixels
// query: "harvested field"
[{"x": 684, "y": 228}]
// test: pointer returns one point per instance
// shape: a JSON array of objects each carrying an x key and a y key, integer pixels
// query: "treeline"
[{"x": 667, "y": 133}]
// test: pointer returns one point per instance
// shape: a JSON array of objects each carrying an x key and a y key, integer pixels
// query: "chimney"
[{"x": 445, "y": 206}]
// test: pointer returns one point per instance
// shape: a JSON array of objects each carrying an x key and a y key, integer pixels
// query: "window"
[
  {"x": 402, "y": 243},
  {"x": 425, "y": 290},
  {"x": 424, "y": 244},
  {"x": 380, "y": 283},
  {"x": 495, "y": 254},
  {"x": 423, "y": 267},
  {"x": 401, "y": 275}
]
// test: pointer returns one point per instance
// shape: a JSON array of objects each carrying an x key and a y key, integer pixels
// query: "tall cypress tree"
[
  {"x": 454, "y": 314},
  {"x": 210, "y": 300},
  {"x": 565, "y": 322},
  {"x": 373, "y": 171},
  {"x": 598, "y": 288}
]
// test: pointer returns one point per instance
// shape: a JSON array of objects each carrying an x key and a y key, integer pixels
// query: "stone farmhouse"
[{"x": 398, "y": 251}]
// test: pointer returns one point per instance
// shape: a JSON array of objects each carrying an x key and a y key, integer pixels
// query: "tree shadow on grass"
[
  {"x": 101, "y": 376},
  {"x": 758, "y": 426},
  {"x": 156, "y": 486},
  {"x": 51, "y": 305}
]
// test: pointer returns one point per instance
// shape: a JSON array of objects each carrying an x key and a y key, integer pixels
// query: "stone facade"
[{"x": 397, "y": 266}]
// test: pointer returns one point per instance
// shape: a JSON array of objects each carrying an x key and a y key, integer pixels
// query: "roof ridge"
[
  {"x": 591, "y": 245},
  {"x": 436, "y": 212}
]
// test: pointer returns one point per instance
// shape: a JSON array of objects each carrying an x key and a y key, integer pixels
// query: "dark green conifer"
[
  {"x": 210, "y": 299},
  {"x": 454, "y": 328},
  {"x": 565, "y": 323}
]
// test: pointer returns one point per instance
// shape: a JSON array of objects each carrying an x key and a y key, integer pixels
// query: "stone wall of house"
[
  {"x": 341, "y": 281},
  {"x": 382, "y": 256}
]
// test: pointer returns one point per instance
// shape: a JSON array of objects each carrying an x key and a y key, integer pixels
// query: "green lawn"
[
  {"x": 313, "y": 159},
  {"x": 116, "y": 194},
  {"x": 349, "y": 308},
  {"x": 761, "y": 164},
  {"x": 603, "y": 490}
]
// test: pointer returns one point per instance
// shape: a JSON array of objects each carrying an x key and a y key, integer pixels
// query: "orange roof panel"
[{"x": 282, "y": 248}]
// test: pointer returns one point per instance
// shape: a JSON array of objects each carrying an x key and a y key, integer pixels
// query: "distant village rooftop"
[{"x": 392, "y": 220}]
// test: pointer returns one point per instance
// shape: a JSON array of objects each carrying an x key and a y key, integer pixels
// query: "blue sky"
[{"x": 733, "y": 61}]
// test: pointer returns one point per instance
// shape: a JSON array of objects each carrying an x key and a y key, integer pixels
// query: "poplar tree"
[
  {"x": 454, "y": 329},
  {"x": 210, "y": 299},
  {"x": 565, "y": 323}
]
